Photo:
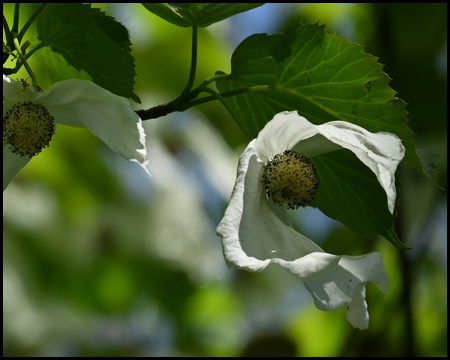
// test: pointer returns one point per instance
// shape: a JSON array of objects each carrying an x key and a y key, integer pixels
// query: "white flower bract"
[
  {"x": 255, "y": 232},
  {"x": 79, "y": 103}
]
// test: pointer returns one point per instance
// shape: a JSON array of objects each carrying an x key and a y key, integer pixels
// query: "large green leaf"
[
  {"x": 93, "y": 44},
  {"x": 200, "y": 14},
  {"x": 324, "y": 78}
]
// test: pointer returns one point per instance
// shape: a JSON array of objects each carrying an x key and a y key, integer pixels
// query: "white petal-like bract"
[
  {"x": 256, "y": 233},
  {"x": 80, "y": 103}
]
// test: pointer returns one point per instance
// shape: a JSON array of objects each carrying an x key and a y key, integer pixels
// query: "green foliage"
[
  {"x": 57, "y": 66},
  {"x": 350, "y": 193},
  {"x": 429, "y": 160},
  {"x": 322, "y": 76},
  {"x": 197, "y": 14},
  {"x": 89, "y": 41}
]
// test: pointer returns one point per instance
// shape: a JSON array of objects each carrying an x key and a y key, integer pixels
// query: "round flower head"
[
  {"x": 276, "y": 168},
  {"x": 290, "y": 179},
  {"x": 28, "y": 127}
]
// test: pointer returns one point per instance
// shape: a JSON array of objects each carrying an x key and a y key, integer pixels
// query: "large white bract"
[{"x": 79, "y": 103}]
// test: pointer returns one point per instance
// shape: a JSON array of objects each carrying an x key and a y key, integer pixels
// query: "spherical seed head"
[
  {"x": 290, "y": 179},
  {"x": 28, "y": 128}
]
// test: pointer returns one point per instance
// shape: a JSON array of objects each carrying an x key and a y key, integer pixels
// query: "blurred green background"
[{"x": 100, "y": 260}]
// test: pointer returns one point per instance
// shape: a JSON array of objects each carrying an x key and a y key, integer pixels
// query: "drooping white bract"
[
  {"x": 255, "y": 232},
  {"x": 79, "y": 103}
]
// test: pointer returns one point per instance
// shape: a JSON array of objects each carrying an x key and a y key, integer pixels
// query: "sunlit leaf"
[
  {"x": 322, "y": 76},
  {"x": 57, "y": 66},
  {"x": 91, "y": 43}
]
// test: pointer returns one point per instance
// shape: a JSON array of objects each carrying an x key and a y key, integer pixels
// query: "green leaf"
[
  {"x": 324, "y": 78},
  {"x": 200, "y": 14},
  {"x": 349, "y": 192},
  {"x": 430, "y": 160},
  {"x": 168, "y": 13},
  {"x": 117, "y": 32},
  {"x": 57, "y": 66},
  {"x": 93, "y": 44}
]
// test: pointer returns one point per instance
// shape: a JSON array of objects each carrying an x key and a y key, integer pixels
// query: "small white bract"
[
  {"x": 30, "y": 117},
  {"x": 256, "y": 232}
]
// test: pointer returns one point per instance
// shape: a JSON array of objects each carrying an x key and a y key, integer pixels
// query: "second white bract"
[{"x": 255, "y": 232}]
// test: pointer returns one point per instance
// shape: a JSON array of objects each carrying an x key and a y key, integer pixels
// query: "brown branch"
[{"x": 155, "y": 112}]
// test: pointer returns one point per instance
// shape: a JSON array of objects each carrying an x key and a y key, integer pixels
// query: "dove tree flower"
[
  {"x": 275, "y": 169},
  {"x": 30, "y": 117}
]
